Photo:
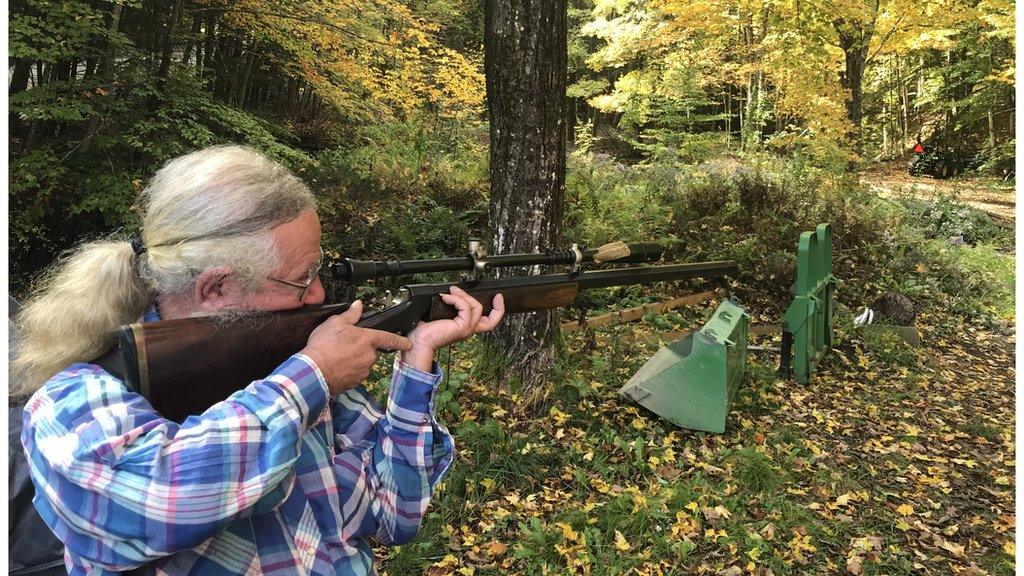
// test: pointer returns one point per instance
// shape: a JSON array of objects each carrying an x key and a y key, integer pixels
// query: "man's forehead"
[{"x": 298, "y": 240}]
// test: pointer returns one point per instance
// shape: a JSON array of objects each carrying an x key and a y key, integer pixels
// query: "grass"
[
  {"x": 998, "y": 270},
  {"x": 887, "y": 345}
]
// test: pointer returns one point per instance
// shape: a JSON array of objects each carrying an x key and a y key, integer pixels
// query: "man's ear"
[{"x": 215, "y": 289}]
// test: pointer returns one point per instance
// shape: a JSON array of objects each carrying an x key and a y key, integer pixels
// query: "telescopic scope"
[{"x": 476, "y": 262}]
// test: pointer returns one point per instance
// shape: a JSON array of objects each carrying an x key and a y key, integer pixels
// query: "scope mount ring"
[{"x": 479, "y": 256}]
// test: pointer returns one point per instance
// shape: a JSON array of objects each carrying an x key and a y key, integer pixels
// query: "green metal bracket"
[
  {"x": 692, "y": 382},
  {"x": 807, "y": 325}
]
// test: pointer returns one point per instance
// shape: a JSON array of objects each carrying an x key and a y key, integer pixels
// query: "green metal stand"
[
  {"x": 807, "y": 325},
  {"x": 692, "y": 382}
]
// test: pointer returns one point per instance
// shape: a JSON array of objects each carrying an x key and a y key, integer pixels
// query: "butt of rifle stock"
[
  {"x": 133, "y": 357},
  {"x": 184, "y": 366}
]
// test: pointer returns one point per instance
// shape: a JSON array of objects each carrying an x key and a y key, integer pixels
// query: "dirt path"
[{"x": 990, "y": 195}]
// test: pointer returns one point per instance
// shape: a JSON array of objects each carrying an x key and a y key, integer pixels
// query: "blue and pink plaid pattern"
[{"x": 277, "y": 479}]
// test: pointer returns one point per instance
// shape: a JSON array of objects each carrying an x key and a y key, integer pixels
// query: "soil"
[{"x": 990, "y": 195}]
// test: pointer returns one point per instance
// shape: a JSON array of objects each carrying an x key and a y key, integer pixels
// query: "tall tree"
[{"x": 525, "y": 67}]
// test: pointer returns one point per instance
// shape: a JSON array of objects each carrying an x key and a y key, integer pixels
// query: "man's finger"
[
  {"x": 382, "y": 340},
  {"x": 351, "y": 316},
  {"x": 476, "y": 309},
  {"x": 473, "y": 309},
  {"x": 461, "y": 306},
  {"x": 490, "y": 322}
]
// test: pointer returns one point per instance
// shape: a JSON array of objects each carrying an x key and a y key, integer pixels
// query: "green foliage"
[
  {"x": 414, "y": 189},
  {"x": 750, "y": 209},
  {"x": 421, "y": 155},
  {"x": 887, "y": 346},
  {"x": 947, "y": 217},
  {"x": 607, "y": 200}
]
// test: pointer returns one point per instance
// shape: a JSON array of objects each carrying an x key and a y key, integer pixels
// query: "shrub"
[{"x": 949, "y": 218}]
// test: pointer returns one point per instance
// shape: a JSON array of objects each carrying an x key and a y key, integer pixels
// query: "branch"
[
  {"x": 882, "y": 42},
  {"x": 323, "y": 23}
]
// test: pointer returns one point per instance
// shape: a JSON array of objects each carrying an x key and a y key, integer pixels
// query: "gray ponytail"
[{"x": 210, "y": 208}]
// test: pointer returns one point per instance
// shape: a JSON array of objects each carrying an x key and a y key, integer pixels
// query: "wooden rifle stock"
[{"x": 184, "y": 366}]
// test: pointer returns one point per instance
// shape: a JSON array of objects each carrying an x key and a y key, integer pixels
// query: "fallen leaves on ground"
[{"x": 871, "y": 468}]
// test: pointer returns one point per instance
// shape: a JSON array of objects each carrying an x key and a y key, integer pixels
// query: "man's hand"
[
  {"x": 428, "y": 337},
  {"x": 345, "y": 353}
]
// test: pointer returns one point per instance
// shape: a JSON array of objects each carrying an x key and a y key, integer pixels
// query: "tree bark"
[
  {"x": 92, "y": 125},
  {"x": 168, "y": 48},
  {"x": 525, "y": 62},
  {"x": 19, "y": 83},
  {"x": 211, "y": 32},
  {"x": 854, "y": 40},
  {"x": 19, "y": 79},
  {"x": 243, "y": 85},
  {"x": 991, "y": 132},
  {"x": 192, "y": 41}
]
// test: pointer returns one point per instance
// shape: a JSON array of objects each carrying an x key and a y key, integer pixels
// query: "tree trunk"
[
  {"x": 243, "y": 86},
  {"x": 853, "y": 81},
  {"x": 991, "y": 133},
  {"x": 211, "y": 31},
  {"x": 885, "y": 130},
  {"x": 728, "y": 117},
  {"x": 854, "y": 39},
  {"x": 525, "y": 63},
  {"x": 92, "y": 125},
  {"x": 168, "y": 48},
  {"x": 904, "y": 107},
  {"x": 754, "y": 114},
  {"x": 19, "y": 83},
  {"x": 193, "y": 41},
  {"x": 19, "y": 79}
]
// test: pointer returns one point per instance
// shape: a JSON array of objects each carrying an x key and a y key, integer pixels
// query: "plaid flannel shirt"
[{"x": 277, "y": 479}]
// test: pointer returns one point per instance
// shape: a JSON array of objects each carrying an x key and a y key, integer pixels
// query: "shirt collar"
[{"x": 152, "y": 313}]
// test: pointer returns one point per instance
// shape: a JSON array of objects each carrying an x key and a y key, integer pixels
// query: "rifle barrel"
[{"x": 646, "y": 275}]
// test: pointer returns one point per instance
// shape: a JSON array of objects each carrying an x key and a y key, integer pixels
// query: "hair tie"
[{"x": 138, "y": 246}]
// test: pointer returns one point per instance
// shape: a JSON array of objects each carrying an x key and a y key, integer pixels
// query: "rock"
[{"x": 894, "y": 308}]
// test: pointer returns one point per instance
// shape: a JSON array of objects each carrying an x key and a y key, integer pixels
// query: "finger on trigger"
[{"x": 355, "y": 310}]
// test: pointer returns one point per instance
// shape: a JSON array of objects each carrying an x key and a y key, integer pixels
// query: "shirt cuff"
[
  {"x": 304, "y": 384},
  {"x": 411, "y": 400}
]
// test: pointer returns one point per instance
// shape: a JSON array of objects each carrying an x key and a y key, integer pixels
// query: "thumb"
[{"x": 351, "y": 316}]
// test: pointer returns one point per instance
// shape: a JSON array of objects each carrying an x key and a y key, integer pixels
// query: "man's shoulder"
[{"x": 77, "y": 378}]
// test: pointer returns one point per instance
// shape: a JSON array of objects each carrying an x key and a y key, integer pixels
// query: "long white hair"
[{"x": 210, "y": 208}]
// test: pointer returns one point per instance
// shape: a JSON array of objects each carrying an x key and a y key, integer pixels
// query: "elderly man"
[{"x": 288, "y": 476}]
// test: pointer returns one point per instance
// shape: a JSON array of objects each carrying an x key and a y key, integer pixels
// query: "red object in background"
[{"x": 918, "y": 148}]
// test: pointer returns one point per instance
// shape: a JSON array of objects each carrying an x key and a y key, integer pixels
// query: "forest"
[{"x": 721, "y": 129}]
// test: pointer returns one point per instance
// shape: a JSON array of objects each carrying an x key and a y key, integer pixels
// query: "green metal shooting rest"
[
  {"x": 807, "y": 325},
  {"x": 692, "y": 382}
]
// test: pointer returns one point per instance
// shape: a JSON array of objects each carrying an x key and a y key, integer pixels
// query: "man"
[{"x": 290, "y": 475}]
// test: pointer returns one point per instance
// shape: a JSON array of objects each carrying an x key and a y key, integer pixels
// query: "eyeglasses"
[{"x": 310, "y": 277}]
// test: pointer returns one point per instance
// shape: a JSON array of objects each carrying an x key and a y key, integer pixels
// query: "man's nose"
[{"x": 316, "y": 293}]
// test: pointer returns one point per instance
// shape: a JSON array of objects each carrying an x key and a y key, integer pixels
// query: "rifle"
[{"x": 183, "y": 366}]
